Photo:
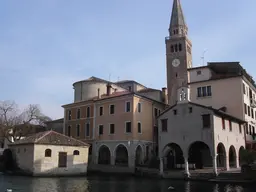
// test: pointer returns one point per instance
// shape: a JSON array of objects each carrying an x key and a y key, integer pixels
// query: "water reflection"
[{"x": 111, "y": 184}]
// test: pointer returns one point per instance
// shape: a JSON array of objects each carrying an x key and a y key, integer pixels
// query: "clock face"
[{"x": 175, "y": 62}]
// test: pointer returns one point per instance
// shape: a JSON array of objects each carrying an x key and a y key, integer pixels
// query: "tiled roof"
[
  {"x": 147, "y": 90},
  {"x": 50, "y": 138}
]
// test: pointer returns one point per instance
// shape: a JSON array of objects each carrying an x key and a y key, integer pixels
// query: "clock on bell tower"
[{"x": 178, "y": 53}]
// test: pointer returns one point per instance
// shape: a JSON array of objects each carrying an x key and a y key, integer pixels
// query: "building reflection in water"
[
  {"x": 216, "y": 188},
  {"x": 187, "y": 186}
]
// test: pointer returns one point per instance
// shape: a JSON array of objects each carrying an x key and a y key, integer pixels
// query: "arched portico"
[
  {"x": 199, "y": 154},
  {"x": 240, "y": 152},
  {"x": 121, "y": 155},
  {"x": 221, "y": 156},
  {"x": 173, "y": 156},
  {"x": 139, "y": 157},
  {"x": 104, "y": 155},
  {"x": 232, "y": 157}
]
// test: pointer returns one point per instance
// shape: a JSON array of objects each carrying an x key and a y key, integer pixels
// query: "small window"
[
  {"x": 69, "y": 130},
  {"x": 112, "y": 129},
  {"x": 245, "y": 108},
  {"x": 190, "y": 109},
  {"x": 78, "y": 130},
  {"x": 209, "y": 90},
  {"x": 88, "y": 110},
  {"x": 180, "y": 47},
  {"x": 172, "y": 49},
  {"x": 199, "y": 92},
  {"x": 128, "y": 127},
  {"x": 101, "y": 129},
  {"x": 139, "y": 127},
  {"x": 223, "y": 123},
  {"x": 101, "y": 111},
  {"x": 230, "y": 125},
  {"x": 87, "y": 130},
  {"x": 155, "y": 112},
  {"x": 175, "y": 112},
  {"x": 240, "y": 128},
  {"x": 69, "y": 114},
  {"x": 78, "y": 114},
  {"x": 206, "y": 121},
  {"x": 164, "y": 125},
  {"x": 128, "y": 107},
  {"x": 112, "y": 109},
  {"x": 198, "y": 72},
  {"x": 252, "y": 113},
  {"x": 176, "y": 48},
  {"x": 244, "y": 89},
  {"x": 76, "y": 152},
  {"x": 248, "y": 111},
  {"x": 139, "y": 107},
  {"x": 48, "y": 153}
]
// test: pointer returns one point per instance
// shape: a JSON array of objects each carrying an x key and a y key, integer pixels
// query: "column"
[
  {"x": 187, "y": 174},
  {"x": 215, "y": 167},
  {"x": 227, "y": 163},
  {"x": 161, "y": 168},
  {"x": 96, "y": 159},
  {"x": 237, "y": 162},
  {"x": 112, "y": 160},
  {"x": 131, "y": 161}
]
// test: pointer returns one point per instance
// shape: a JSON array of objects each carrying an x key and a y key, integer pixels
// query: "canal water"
[{"x": 113, "y": 184}]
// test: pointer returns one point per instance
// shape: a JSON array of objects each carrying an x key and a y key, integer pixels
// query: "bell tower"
[{"x": 178, "y": 53}]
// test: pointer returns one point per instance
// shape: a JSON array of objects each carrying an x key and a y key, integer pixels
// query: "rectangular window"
[
  {"x": 78, "y": 114},
  {"x": 62, "y": 159},
  {"x": 250, "y": 129},
  {"x": 101, "y": 129},
  {"x": 155, "y": 112},
  {"x": 128, "y": 127},
  {"x": 159, "y": 111},
  {"x": 87, "y": 130},
  {"x": 190, "y": 109},
  {"x": 248, "y": 111},
  {"x": 199, "y": 92},
  {"x": 223, "y": 123},
  {"x": 112, "y": 109},
  {"x": 78, "y": 130},
  {"x": 209, "y": 90},
  {"x": 245, "y": 108},
  {"x": 204, "y": 91},
  {"x": 206, "y": 121},
  {"x": 230, "y": 125},
  {"x": 112, "y": 128},
  {"x": 240, "y": 128},
  {"x": 252, "y": 113},
  {"x": 164, "y": 125},
  {"x": 175, "y": 112},
  {"x": 139, "y": 127},
  {"x": 88, "y": 111},
  {"x": 101, "y": 111},
  {"x": 139, "y": 107},
  {"x": 247, "y": 129},
  {"x": 244, "y": 89},
  {"x": 128, "y": 106},
  {"x": 253, "y": 130},
  {"x": 69, "y": 114}
]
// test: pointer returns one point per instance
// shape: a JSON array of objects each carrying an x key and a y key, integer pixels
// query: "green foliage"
[{"x": 248, "y": 156}]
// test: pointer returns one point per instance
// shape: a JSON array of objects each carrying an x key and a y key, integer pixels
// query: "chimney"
[
  {"x": 164, "y": 95},
  {"x": 98, "y": 93},
  {"x": 108, "y": 89}
]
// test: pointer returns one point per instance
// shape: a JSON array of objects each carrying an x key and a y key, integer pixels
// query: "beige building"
[
  {"x": 223, "y": 85},
  {"x": 117, "y": 118},
  {"x": 51, "y": 153},
  {"x": 194, "y": 136}
]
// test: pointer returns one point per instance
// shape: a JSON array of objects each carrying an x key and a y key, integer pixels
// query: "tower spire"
[{"x": 178, "y": 24}]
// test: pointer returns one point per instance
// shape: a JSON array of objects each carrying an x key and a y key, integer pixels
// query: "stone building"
[{"x": 50, "y": 154}]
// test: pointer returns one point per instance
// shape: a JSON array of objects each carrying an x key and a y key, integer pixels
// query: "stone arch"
[
  {"x": 139, "y": 157},
  {"x": 240, "y": 152},
  {"x": 199, "y": 154},
  {"x": 232, "y": 156},
  {"x": 121, "y": 155},
  {"x": 221, "y": 155},
  {"x": 173, "y": 156},
  {"x": 104, "y": 155}
]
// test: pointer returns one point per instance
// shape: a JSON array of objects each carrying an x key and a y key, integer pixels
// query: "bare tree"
[{"x": 14, "y": 124}]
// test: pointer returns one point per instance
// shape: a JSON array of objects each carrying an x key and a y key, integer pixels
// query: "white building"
[{"x": 195, "y": 136}]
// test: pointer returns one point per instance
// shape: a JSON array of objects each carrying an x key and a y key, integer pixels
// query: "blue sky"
[{"x": 47, "y": 45}]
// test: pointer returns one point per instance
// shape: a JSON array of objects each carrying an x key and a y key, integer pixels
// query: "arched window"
[
  {"x": 76, "y": 152},
  {"x": 176, "y": 48},
  {"x": 88, "y": 112},
  {"x": 48, "y": 153},
  {"x": 172, "y": 49},
  {"x": 180, "y": 47}
]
